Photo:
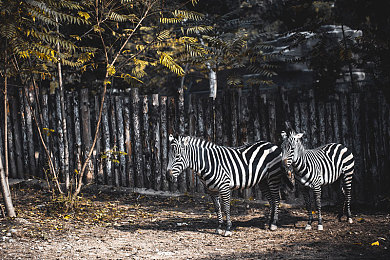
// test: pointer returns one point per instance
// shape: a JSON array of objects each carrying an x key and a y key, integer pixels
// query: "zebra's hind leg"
[
  {"x": 225, "y": 196},
  {"x": 347, "y": 186},
  {"x": 340, "y": 202},
  {"x": 272, "y": 195},
  {"x": 317, "y": 194},
  {"x": 306, "y": 197},
  {"x": 217, "y": 205}
]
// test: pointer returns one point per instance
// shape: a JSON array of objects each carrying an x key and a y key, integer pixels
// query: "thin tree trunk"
[
  {"x": 65, "y": 152},
  {"x": 6, "y": 128},
  {"x": 6, "y": 191},
  {"x": 4, "y": 172}
]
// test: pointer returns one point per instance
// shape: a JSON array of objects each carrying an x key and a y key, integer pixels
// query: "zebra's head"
[
  {"x": 290, "y": 151},
  {"x": 177, "y": 159}
]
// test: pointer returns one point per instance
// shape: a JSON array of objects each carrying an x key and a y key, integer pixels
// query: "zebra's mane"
[{"x": 198, "y": 141}]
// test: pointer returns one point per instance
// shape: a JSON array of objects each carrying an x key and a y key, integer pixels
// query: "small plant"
[{"x": 112, "y": 155}]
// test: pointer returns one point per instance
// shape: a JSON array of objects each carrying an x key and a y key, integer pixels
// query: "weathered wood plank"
[
  {"x": 136, "y": 118},
  {"x": 114, "y": 142},
  {"x": 164, "y": 142},
  {"x": 18, "y": 136},
  {"x": 155, "y": 142},
  {"x": 128, "y": 142},
  {"x": 121, "y": 142},
  {"x": 146, "y": 142}
]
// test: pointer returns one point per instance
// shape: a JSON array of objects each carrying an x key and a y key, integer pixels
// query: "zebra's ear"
[
  {"x": 171, "y": 138},
  {"x": 186, "y": 140},
  {"x": 283, "y": 134},
  {"x": 298, "y": 136}
]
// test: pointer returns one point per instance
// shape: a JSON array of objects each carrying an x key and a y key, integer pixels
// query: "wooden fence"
[{"x": 132, "y": 146}]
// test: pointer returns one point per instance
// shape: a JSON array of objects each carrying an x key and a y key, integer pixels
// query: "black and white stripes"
[
  {"x": 222, "y": 169},
  {"x": 317, "y": 167}
]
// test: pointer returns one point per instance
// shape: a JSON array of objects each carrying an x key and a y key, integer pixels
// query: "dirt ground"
[{"x": 120, "y": 225}]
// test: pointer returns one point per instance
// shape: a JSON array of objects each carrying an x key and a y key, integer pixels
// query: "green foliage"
[{"x": 33, "y": 35}]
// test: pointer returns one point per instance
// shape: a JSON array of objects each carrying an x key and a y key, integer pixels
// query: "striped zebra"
[
  {"x": 222, "y": 169},
  {"x": 314, "y": 168}
]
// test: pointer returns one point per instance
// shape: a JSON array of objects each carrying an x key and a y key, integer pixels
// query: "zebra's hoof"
[
  {"x": 350, "y": 221},
  {"x": 219, "y": 231},
  {"x": 273, "y": 227},
  {"x": 320, "y": 227},
  {"x": 308, "y": 227},
  {"x": 227, "y": 233}
]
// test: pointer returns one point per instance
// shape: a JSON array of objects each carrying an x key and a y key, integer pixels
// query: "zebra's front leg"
[
  {"x": 317, "y": 194},
  {"x": 217, "y": 205},
  {"x": 225, "y": 196},
  {"x": 306, "y": 197}
]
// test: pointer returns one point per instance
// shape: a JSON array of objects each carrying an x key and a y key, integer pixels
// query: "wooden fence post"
[
  {"x": 155, "y": 143},
  {"x": 146, "y": 143},
  {"x": 60, "y": 136},
  {"x": 18, "y": 137},
  {"x": 114, "y": 142},
  {"x": 121, "y": 142},
  {"x": 128, "y": 142},
  {"x": 200, "y": 130},
  {"x": 182, "y": 180},
  {"x": 70, "y": 132},
  {"x": 11, "y": 146},
  {"x": 139, "y": 181},
  {"x": 86, "y": 132},
  {"x": 313, "y": 119},
  {"x": 77, "y": 131},
  {"x": 164, "y": 142}
]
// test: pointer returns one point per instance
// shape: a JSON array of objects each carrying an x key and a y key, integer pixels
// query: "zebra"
[
  {"x": 314, "y": 168},
  {"x": 222, "y": 169}
]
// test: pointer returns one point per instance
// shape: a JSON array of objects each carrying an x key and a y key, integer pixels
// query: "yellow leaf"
[
  {"x": 84, "y": 14},
  {"x": 110, "y": 70},
  {"x": 375, "y": 243},
  {"x": 67, "y": 217}
]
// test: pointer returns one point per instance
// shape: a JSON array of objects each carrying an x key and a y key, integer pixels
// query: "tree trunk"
[
  {"x": 6, "y": 192},
  {"x": 4, "y": 171}
]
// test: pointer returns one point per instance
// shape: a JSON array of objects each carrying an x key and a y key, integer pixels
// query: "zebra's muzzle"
[{"x": 170, "y": 176}]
